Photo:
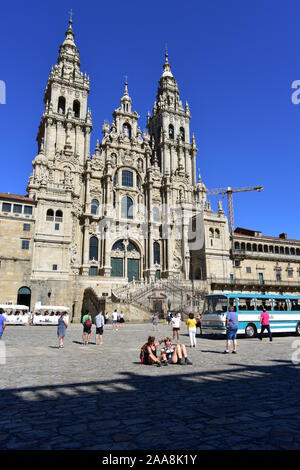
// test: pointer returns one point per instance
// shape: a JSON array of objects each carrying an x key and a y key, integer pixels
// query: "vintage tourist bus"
[
  {"x": 16, "y": 314},
  {"x": 48, "y": 314},
  {"x": 284, "y": 311}
]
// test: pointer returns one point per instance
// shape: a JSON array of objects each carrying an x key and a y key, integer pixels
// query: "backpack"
[
  {"x": 144, "y": 354},
  {"x": 88, "y": 323}
]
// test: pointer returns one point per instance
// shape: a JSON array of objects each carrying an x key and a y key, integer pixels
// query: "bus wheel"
[
  {"x": 298, "y": 329},
  {"x": 250, "y": 330}
]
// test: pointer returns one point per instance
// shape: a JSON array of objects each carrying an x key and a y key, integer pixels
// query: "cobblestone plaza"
[{"x": 101, "y": 397}]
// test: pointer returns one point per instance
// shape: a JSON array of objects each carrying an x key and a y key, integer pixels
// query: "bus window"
[
  {"x": 295, "y": 304},
  {"x": 245, "y": 304},
  {"x": 263, "y": 303},
  {"x": 281, "y": 305},
  {"x": 232, "y": 304},
  {"x": 215, "y": 304}
]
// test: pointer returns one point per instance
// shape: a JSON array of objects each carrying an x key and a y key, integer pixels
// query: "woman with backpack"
[{"x": 87, "y": 327}]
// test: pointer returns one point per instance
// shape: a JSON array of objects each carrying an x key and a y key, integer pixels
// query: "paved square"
[{"x": 102, "y": 398}]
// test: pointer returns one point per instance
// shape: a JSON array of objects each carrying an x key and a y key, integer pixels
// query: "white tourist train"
[
  {"x": 16, "y": 314},
  {"x": 48, "y": 314}
]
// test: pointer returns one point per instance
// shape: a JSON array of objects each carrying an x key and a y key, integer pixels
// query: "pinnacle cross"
[{"x": 166, "y": 52}]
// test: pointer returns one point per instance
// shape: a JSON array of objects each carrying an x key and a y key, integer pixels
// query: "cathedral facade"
[{"x": 132, "y": 211}]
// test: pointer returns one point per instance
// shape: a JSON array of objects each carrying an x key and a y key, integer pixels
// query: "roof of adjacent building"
[
  {"x": 17, "y": 197},
  {"x": 256, "y": 233}
]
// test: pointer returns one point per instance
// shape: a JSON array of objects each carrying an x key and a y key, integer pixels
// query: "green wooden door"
[
  {"x": 116, "y": 267},
  {"x": 133, "y": 269}
]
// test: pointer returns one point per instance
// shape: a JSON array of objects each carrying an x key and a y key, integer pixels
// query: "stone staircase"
[{"x": 175, "y": 294}]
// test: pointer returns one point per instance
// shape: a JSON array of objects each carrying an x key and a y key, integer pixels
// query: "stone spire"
[
  {"x": 68, "y": 57},
  {"x": 126, "y": 100},
  {"x": 167, "y": 67}
]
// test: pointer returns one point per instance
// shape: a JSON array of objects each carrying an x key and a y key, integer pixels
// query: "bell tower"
[
  {"x": 169, "y": 128},
  {"x": 66, "y": 123}
]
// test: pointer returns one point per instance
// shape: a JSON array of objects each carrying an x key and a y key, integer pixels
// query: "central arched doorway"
[
  {"x": 24, "y": 296},
  {"x": 125, "y": 260}
]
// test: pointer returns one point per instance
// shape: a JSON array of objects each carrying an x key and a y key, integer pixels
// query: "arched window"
[
  {"x": 248, "y": 246},
  {"x": 24, "y": 296},
  {"x": 127, "y": 208},
  {"x": 298, "y": 251},
  {"x": 260, "y": 248},
  {"x": 211, "y": 233},
  {"x": 50, "y": 215},
  {"x": 126, "y": 130},
  {"x": 132, "y": 246},
  {"x": 217, "y": 232},
  {"x": 281, "y": 250},
  {"x": 76, "y": 108},
  {"x": 171, "y": 131},
  {"x": 266, "y": 249},
  {"x": 155, "y": 212},
  {"x": 93, "y": 255},
  {"x": 254, "y": 248},
  {"x": 271, "y": 249},
  {"x": 115, "y": 178},
  {"x": 237, "y": 246},
  {"x": 138, "y": 181},
  {"x": 156, "y": 253},
  {"x": 287, "y": 251},
  {"x": 94, "y": 207},
  {"x": 293, "y": 251},
  {"x": 58, "y": 216},
  {"x": 182, "y": 134},
  {"x": 119, "y": 245},
  {"x": 127, "y": 178},
  {"x": 61, "y": 108},
  {"x": 114, "y": 199}
]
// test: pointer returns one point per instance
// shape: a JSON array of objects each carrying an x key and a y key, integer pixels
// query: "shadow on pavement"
[{"x": 253, "y": 407}]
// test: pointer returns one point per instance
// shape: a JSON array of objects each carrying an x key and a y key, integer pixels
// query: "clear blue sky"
[{"x": 234, "y": 61}]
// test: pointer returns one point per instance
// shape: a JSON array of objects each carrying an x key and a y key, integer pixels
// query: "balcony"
[{"x": 254, "y": 284}]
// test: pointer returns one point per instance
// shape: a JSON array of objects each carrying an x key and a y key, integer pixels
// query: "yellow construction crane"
[{"x": 229, "y": 191}]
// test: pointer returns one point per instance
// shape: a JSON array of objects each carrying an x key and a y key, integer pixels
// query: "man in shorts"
[
  {"x": 99, "y": 320},
  {"x": 115, "y": 319},
  {"x": 232, "y": 327}
]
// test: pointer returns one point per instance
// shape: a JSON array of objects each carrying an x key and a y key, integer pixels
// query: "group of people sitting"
[{"x": 169, "y": 354}]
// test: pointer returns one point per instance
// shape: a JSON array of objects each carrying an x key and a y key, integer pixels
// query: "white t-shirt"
[
  {"x": 115, "y": 316},
  {"x": 176, "y": 322}
]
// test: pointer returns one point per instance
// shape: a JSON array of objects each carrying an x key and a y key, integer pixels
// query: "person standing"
[
  {"x": 61, "y": 328},
  {"x": 176, "y": 324},
  {"x": 265, "y": 324},
  {"x": 2, "y": 323},
  {"x": 122, "y": 320},
  {"x": 155, "y": 321},
  {"x": 87, "y": 327},
  {"x": 191, "y": 324},
  {"x": 198, "y": 322},
  {"x": 106, "y": 318},
  {"x": 99, "y": 320},
  {"x": 232, "y": 328},
  {"x": 115, "y": 319}
]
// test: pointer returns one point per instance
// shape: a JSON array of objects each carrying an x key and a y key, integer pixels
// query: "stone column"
[
  {"x": 86, "y": 242},
  {"x": 87, "y": 142}
]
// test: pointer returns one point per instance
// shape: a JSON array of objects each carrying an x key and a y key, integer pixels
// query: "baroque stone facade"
[{"x": 132, "y": 211}]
